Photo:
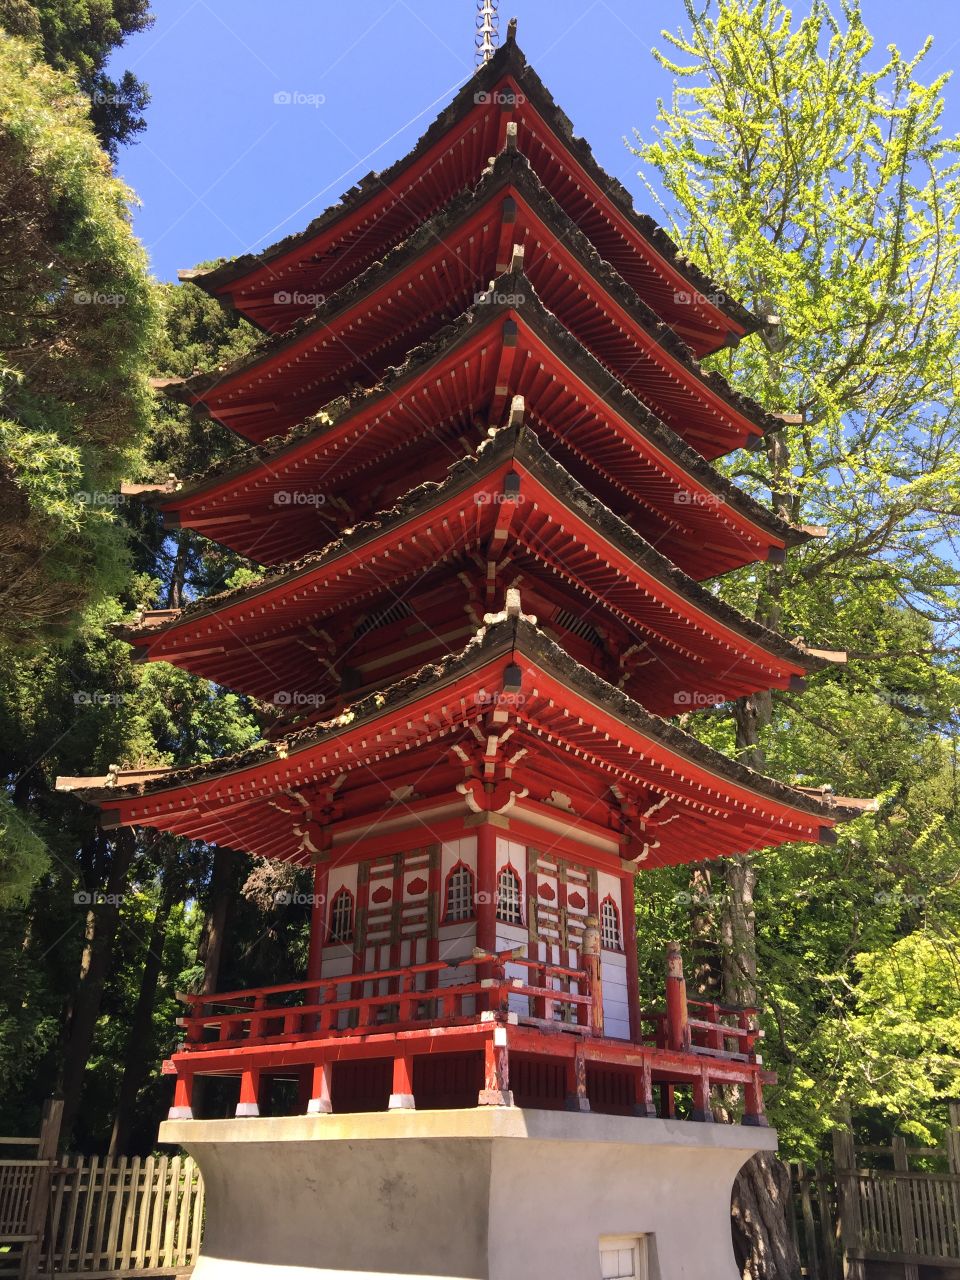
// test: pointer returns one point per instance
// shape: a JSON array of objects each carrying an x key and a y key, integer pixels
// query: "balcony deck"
[{"x": 398, "y": 1038}]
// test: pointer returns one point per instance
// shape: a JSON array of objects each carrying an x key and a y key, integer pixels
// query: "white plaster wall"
[{"x": 466, "y": 1195}]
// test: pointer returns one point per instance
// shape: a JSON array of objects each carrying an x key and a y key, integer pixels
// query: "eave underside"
[
  {"x": 671, "y": 798},
  {"x": 288, "y": 501},
  {"x": 510, "y": 517}
]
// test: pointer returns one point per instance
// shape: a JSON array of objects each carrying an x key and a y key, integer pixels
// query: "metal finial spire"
[{"x": 488, "y": 30}]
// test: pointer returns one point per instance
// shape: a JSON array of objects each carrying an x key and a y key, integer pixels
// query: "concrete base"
[{"x": 479, "y": 1194}]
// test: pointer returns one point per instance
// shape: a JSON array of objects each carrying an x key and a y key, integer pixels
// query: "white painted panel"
[
  {"x": 513, "y": 852},
  {"x": 457, "y": 940},
  {"x": 342, "y": 878},
  {"x": 454, "y": 851},
  {"x": 337, "y": 960},
  {"x": 510, "y": 936},
  {"x": 616, "y": 1009}
]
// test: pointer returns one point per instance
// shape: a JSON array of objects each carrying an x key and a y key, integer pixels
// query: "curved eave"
[
  {"x": 508, "y": 73},
  {"x": 476, "y": 347},
  {"x": 355, "y": 330},
  {"x": 551, "y": 698},
  {"x": 545, "y": 514}
]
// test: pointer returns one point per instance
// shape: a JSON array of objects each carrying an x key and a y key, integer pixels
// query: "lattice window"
[
  {"x": 610, "y": 926},
  {"x": 341, "y": 917},
  {"x": 460, "y": 895},
  {"x": 509, "y": 897}
]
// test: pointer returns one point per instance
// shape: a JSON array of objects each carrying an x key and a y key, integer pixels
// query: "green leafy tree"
[
  {"x": 76, "y": 330},
  {"x": 814, "y": 181},
  {"x": 78, "y": 37}
]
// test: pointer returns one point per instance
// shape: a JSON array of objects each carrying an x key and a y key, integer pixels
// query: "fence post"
[
  {"x": 908, "y": 1228},
  {"x": 848, "y": 1204},
  {"x": 806, "y": 1212},
  {"x": 40, "y": 1196},
  {"x": 953, "y": 1137}
]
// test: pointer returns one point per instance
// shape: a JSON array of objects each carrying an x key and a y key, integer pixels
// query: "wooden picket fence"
[
  {"x": 96, "y": 1216},
  {"x": 123, "y": 1217},
  {"x": 874, "y": 1214}
]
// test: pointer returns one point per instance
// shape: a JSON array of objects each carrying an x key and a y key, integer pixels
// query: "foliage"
[
  {"x": 78, "y": 37},
  {"x": 814, "y": 181},
  {"x": 75, "y": 335}
]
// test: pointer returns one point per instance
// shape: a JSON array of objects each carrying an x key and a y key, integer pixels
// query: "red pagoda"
[{"x": 479, "y": 481}]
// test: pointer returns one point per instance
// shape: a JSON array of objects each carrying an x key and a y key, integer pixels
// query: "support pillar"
[
  {"x": 577, "y": 1098},
  {"x": 487, "y": 887},
  {"x": 753, "y": 1109},
  {"x": 628, "y": 912},
  {"x": 182, "y": 1108},
  {"x": 249, "y": 1092},
  {"x": 678, "y": 1022},
  {"x": 321, "y": 1093},
  {"x": 401, "y": 1096},
  {"x": 591, "y": 962},
  {"x": 496, "y": 1072},
  {"x": 643, "y": 1102},
  {"x": 702, "y": 1110},
  {"x": 318, "y": 917}
]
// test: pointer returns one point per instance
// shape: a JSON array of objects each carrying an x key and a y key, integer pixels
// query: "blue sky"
[{"x": 223, "y": 169}]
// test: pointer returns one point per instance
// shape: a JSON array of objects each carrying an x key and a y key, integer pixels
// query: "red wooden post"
[
  {"x": 701, "y": 1098},
  {"x": 577, "y": 1099},
  {"x": 249, "y": 1092},
  {"x": 715, "y": 1039},
  {"x": 753, "y": 1111},
  {"x": 496, "y": 1071},
  {"x": 318, "y": 919},
  {"x": 746, "y": 1022},
  {"x": 401, "y": 1098},
  {"x": 628, "y": 914},
  {"x": 182, "y": 1108},
  {"x": 678, "y": 1024},
  {"x": 643, "y": 1102},
  {"x": 590, "y": 963},
  {"x": 321, "y": 1094},
  {"x": 193, "y": 1026},
  {"x": 487, "y": 887}
]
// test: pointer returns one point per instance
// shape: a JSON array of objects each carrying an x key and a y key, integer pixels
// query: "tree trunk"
[
  {"x": 210, "y": 947},
  {"x": 761, "y": 1195},
  {"x": 103, "y": 918},
  {"x": 762, "y": 1240},
  {"x": 178, "y": 574},
  {"x": 137, "y": 1062}
]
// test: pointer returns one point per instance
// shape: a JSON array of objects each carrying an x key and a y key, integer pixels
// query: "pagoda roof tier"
[
  {"x": 438, "y": 273},
  {"x": 672, "y": 798},
  {"x": 285, "y": 499},
  {"x": 275, "y": 287},
  {"x": 510, "y": 511}
]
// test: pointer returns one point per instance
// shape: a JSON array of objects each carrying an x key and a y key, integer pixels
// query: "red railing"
[
  {"x": 333, "y": 1007},
  {"x": 307, "y": 1028}
]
